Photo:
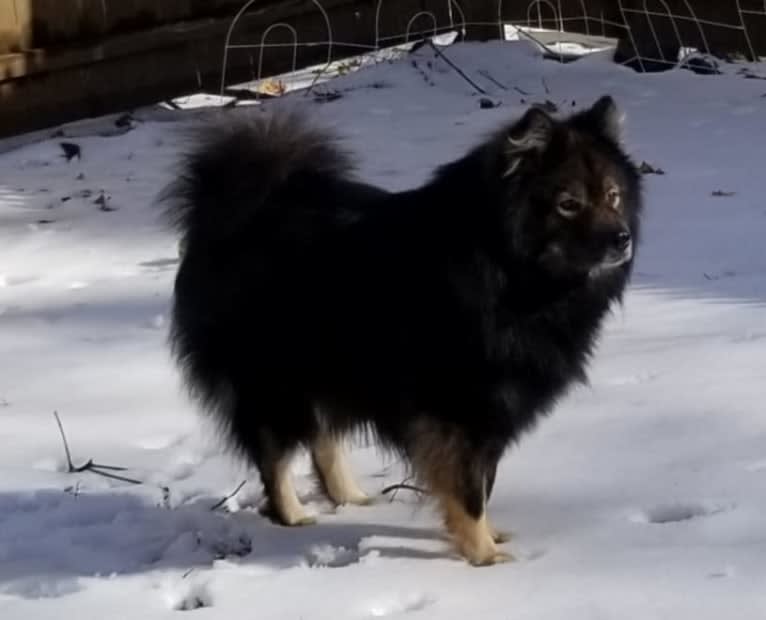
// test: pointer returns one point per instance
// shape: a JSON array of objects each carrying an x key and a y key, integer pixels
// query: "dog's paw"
[
  {"x": 501, "y": 537},
  {"x": 296, "y": 520},
  {"x": 360, "y": 499},
  {"x": 499, "y": 557}
]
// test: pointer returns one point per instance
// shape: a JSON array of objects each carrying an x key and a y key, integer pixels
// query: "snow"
[{"x": 642, "y": 497}]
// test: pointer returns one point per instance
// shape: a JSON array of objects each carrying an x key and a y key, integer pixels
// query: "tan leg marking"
[
  {"x": 438, "y": 458},
  {"x": 287, "y": 506},
  {"x": 472, "y": 537},
  {"x": 497, "y": 535},
  {"x": 335, "y": 473}
]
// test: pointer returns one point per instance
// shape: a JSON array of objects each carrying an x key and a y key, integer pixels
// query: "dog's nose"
[{"x": 622, "y": 240}]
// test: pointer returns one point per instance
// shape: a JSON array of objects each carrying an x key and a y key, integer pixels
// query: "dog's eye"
[{"x": 569, "y": 208}]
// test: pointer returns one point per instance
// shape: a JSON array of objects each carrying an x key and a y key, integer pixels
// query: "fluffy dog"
[{"x": 445, "y": 320}]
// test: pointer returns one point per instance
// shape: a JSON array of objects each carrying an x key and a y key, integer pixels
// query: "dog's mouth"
[{"x": 612, "y": 260}]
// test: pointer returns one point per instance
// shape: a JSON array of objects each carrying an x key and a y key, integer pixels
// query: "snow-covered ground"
[{"x": 643, "y": 497}]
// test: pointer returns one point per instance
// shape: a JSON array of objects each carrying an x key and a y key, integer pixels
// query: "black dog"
[{"x": 445, "y": 320}]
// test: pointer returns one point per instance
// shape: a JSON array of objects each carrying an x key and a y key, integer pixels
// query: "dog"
[{"x": 444, "y": 320}]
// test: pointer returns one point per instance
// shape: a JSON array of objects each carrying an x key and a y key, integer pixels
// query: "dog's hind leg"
[
  {"x": 283, "y": 499},
  {"x": 273, "y": 461},
  {"x": 457, "y": 477},
  {"x": 497, "y": 535},
  {"x": 334, "y": 473},
  {"x": 269, "y": 426},
  {"x": 470, "y": 530}
]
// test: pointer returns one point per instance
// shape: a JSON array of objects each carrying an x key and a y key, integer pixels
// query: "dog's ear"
[
  {"x": 530, "y": 135},
  {"x": 605, "y": 118}
]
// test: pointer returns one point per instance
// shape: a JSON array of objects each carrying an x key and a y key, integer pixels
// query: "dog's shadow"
[
  {"x": 336, "y": 544},
  {"x": 52, "y": 538}
]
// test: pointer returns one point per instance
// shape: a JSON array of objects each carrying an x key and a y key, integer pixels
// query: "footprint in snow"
[
  {"x": 678, "y": 512},
  {"x": 399, "y": 604},
  {"x": 187, "y": 595},
  {"x": 6, "y": 280},
  {"x": 331, "y": 556}
]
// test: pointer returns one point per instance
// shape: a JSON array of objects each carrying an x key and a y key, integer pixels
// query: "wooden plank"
[
  {"x": 14, "y": 25},
  {"x": 179, "y": 33},
  {"x": 49, "y": 88},
  {"x": 40, "y": 60},
  {"x": 59, "y": 23}
]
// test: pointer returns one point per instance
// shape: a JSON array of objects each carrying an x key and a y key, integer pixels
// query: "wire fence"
[{"x": 650, "y": 32}]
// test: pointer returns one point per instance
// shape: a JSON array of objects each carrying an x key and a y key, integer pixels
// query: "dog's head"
[{"x": 575, "y": 195}]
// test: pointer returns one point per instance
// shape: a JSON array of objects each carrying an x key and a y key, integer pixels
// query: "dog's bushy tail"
[{"x": 237, "y": 168}]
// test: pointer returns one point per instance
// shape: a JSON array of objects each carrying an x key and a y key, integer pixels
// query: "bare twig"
[
  {"x": 165, "y": 497},
  {"x": 647, "y": 168},
  {"x": 113, "y": 476},
  {"x": 487, "y": 75},
  {"x": 441, "y": 55},
  {"x": 402, "y": 485},
  {"x": 496, "y": 82},
  {"x": 89, "y": 464},
  {"x": 317, "y": 75},
  {"x": 229, "y": 496},
  {"x": 81, "y": 468},
  {"x": 534, "y": 39},
  {"x": 75, "y": 490},
  {"x": 66, "y": 444},
  {"x": 111, "y": 467},
  {"x": 545, "y": 86}
]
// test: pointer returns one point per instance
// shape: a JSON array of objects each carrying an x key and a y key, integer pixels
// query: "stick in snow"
[
  {"x": 441, "y": 55},
  {"x": 405, "y": 486},
  {"x": 228, "y": 497},
  {"x": 89, "y": 465},
  {"x": 487, "y": 75}
]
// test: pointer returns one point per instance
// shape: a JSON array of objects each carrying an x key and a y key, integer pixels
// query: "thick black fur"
[{"x": 446, "y": 319}]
